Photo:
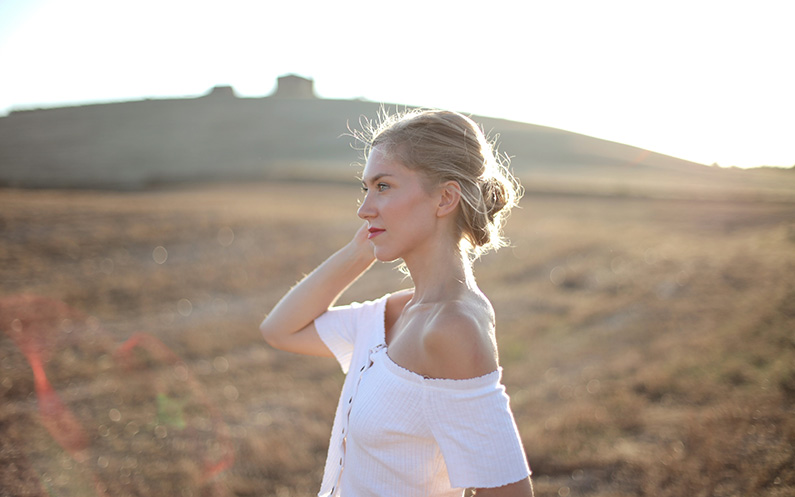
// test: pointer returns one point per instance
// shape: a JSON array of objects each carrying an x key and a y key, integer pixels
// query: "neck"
[{"x": 441, "y": 275}]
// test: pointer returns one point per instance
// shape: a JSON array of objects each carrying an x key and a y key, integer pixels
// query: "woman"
[{"x": 422, "y": 411}]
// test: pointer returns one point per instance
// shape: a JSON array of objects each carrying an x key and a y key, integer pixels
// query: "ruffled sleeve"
[
  {"x": 340, "y": 326},
  {"x": 472, "y": 422}
]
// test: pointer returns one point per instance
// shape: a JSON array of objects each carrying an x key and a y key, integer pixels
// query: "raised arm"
[{"x": 290, "y": 325}]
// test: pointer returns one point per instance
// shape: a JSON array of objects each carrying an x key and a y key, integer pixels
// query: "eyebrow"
[{"x": 375, "y": 178}]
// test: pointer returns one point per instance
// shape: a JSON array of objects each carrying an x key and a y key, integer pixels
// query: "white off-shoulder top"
[{"x": 399, "y": 434}]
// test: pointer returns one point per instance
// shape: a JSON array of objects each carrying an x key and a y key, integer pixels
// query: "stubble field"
[{"x": 648, "y": 345}]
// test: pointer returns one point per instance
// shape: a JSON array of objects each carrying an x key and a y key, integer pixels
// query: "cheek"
[
  {"x": 412, "y": 211},
  {"x": 407, "y": 211},
  {"x": 417, "y": 222}
]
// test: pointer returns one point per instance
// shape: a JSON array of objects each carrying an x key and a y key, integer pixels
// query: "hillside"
[{"x": 135, "y": 145}]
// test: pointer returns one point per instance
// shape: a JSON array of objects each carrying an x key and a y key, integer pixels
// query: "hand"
[{"x": 360, "y": 243}]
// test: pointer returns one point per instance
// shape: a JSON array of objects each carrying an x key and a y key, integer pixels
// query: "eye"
[{"x": 382, "y": 186}]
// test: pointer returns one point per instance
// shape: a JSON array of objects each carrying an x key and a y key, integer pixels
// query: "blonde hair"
[{"x": 448, "y": 146}]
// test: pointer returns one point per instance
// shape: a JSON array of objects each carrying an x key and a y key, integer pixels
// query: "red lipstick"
[{"x": 374, "y": 232}]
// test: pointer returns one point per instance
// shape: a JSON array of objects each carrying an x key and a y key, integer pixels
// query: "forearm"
[{"x": 317, "y": 292}]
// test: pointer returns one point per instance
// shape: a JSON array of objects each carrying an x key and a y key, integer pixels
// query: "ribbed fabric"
[{"x": 399, "y": 434}]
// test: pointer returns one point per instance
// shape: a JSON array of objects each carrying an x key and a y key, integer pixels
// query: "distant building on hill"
[
  {"x": 292, "y": 86},
  {"x": 222, "y": 91}
]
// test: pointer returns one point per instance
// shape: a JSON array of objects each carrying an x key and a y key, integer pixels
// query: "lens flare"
[{"x": 121, "y": 413}]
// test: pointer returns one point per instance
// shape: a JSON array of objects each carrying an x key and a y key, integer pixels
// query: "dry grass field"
[{"x": 648, "y": 344}]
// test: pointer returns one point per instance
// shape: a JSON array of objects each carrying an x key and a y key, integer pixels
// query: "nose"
[{"x": 366, "y": 209}]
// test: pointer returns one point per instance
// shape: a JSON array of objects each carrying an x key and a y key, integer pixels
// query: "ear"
[{"x": 449, "y": 197}]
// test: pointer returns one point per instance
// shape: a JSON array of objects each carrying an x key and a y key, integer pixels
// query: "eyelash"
[{"x": 380, "y": 187}]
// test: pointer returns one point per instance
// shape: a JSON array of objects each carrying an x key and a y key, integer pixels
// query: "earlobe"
[{"x": 450, "y": 195}]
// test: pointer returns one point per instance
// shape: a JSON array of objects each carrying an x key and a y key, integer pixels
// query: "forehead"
[{"x": 380, "y": 163}]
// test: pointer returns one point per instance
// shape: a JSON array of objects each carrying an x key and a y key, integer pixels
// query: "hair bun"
[{"x": 494, "y": 196}]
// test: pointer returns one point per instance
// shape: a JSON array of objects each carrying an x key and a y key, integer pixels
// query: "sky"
[{"x": 703, "y": 80}]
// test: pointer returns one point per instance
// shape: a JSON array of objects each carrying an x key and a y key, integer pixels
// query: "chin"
[{"x": 384, "y": 256}]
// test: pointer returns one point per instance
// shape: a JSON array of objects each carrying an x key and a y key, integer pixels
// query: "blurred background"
[{"x": 169, "y": 170}]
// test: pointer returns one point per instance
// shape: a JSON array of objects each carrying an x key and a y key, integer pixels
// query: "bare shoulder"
[
  {"x": 395, "y": 304},
  {"x": 459, "y": 340}
]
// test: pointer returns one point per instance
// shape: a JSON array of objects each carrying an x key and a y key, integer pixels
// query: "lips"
[{"x": 374, "y": 232}]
